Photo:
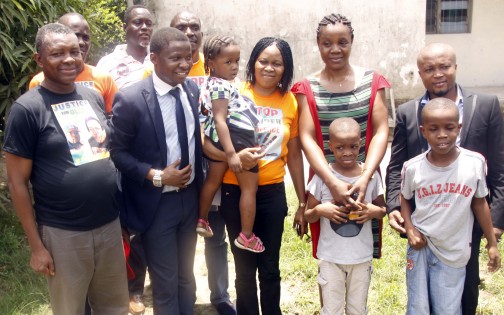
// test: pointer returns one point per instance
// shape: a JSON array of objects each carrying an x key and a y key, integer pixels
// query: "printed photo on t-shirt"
[
  {"x": 86, "y": 136},
  {"x": 270, "y": 131}
]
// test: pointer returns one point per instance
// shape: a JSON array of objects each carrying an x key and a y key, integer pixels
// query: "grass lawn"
[{"x": 24, "y": 292}]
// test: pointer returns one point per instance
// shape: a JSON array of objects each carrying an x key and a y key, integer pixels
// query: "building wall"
[
  {"x": 388, "y": 33},
  {"x": 480, "y": 56}
]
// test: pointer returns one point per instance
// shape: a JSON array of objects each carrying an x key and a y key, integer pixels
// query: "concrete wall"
[
  {"x": 480, "y": 56},
  {"x": 388, "y": 33}
]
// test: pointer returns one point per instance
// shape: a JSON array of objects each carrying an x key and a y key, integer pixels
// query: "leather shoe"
[
  {"x": 225, "y": 308},
  {"x": 136, "y": 305}
]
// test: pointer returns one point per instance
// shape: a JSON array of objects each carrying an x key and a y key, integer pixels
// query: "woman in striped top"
[{"x": 341, "y": 90}]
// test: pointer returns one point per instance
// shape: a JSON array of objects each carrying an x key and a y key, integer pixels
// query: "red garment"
[{"x": 303, "y": 87}]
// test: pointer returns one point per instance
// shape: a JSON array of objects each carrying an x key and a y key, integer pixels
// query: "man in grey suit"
[
  {"x": 156, "y": 145},
  {"x": 482, "y": 131}
]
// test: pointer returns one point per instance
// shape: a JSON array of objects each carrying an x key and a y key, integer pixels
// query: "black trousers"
[
  {"x": 271, "y": 210},
  {"x": 472, "y": 280}
]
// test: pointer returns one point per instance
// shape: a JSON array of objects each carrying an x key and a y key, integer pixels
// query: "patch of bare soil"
[{"x": 203, "y": 305}]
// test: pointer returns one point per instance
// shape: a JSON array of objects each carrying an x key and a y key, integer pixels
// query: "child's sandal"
[
  {"x": 203, "y": 228},
  {"x": 258, "y": 247}
]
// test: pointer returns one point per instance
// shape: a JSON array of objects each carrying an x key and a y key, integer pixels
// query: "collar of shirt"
[
  {"x": 161, "y": 86},
  {"x": 459, "y": 101},
  {"x": 121, "y": 53}
]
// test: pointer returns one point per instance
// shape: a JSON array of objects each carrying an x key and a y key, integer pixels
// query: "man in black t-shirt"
[{"x": 72, "y": 228}]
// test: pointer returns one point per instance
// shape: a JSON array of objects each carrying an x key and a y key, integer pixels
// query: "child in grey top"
[{"x": 447, "y": 182}]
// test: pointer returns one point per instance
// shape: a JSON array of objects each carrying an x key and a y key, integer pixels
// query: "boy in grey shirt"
[{"x": 446, "y": 182}]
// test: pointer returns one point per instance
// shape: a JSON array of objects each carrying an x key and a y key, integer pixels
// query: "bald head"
[
  {"x": 70, "y": 17},
  {"x": 190, "y": 24},
  {"x": 80, "y": 26},
  {"x": 437, "y": 67},
  {"x": 436, "y": 49},
  {"x": 186, "y": 15},
  {"x": 345, "y": 125}
]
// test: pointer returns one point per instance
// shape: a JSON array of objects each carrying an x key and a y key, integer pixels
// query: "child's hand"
[
  {"x": 416, "y": 239},
  {"x": 234, "y": 163},
  {"x": 368, "y": 211},
  {"x": 494, "y": 260},
  {"x": 332, "y": 212}
]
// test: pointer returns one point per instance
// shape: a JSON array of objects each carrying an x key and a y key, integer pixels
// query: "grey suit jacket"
[{"x": 482, "y": 131}]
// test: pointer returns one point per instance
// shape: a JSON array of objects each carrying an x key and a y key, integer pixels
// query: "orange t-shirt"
[
  {"x": 93, "y": 78},
  {"x": 279, "y": 124}
]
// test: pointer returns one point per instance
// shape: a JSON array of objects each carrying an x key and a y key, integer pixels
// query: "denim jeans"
[
  {"x": 216, "y": 258},
  {"x": 433, "y": 287},
  {"x": 271, "y": 210}
]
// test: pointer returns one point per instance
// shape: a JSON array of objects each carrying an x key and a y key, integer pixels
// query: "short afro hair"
[
  {"x": 51, "y": 28},
  {"x": 163, "y": 36},
  {"x": 344, "y": 125},
  {"x": 127, "y": 13},
  {"x": 442, "y": 103}
]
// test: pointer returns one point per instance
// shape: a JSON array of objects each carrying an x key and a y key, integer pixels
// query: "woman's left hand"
[
  {"x": 300, "y": 224},
  {"x": 359, "y": 187}
]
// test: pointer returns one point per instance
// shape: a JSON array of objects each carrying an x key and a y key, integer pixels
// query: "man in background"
[
  {"x": 88, "y": 76},
  {"x": 482, "y": 131},
  {"x": 127, "y": 62}
]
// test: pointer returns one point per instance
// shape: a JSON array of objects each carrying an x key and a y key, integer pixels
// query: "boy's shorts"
[{"x": 344, "y": 286}]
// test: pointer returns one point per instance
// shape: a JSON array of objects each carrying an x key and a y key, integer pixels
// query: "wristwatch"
[
  {"x": 156, "y": 180},
  {"x": 302, "y": 205}
]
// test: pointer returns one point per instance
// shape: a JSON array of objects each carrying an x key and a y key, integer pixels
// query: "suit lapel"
[
  {"x": 151, "y": 100},
  {"x": 418, "y": 110},
  {"x": 470, "y": 102}
]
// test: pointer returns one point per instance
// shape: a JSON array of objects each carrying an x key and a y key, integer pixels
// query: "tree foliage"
[
  {"x": 19, "y": 22},
  {"x": 105, "y": 19}
]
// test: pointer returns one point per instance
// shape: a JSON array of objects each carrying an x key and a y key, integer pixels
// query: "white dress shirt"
[{"x": 167, "y": 105}]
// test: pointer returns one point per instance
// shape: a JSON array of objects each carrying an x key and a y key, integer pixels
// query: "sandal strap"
[
  {"x": 203, "y": 221},
  {"x": 258, "y": 243}
]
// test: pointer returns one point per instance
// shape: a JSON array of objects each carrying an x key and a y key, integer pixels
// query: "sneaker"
[
  {"x": 203, "y": 228},
  {"x": 136, "y": 305}
]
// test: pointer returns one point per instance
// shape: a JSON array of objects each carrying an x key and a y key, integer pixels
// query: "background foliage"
[{"x": 19, "y": 22}]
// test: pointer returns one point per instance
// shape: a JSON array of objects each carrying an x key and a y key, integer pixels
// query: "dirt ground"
[{"x": 203, "y": 306}]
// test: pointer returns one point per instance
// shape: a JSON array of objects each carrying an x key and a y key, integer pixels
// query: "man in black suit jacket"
[
  {"x": 482, "y": 131},
  {"x": 159, "y": 198}
]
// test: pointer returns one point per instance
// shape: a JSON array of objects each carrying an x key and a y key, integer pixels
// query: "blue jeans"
[
  {"x": 433, "y": 287},
  {"x": 216, "y": 258},
  {"x": 271, "y": 210}
]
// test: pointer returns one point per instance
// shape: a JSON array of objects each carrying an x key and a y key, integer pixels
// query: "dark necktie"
[{"x": 181, "y": 129}]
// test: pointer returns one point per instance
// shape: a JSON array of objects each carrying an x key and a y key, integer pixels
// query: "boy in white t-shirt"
[
  {"x": 446, "y": 183},
  {"x": 345, "y": 247}
]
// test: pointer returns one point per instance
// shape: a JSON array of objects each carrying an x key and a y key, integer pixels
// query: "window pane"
[
  {"x": 447, "y": 16},
  {"x": 454, "y": 16}
]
